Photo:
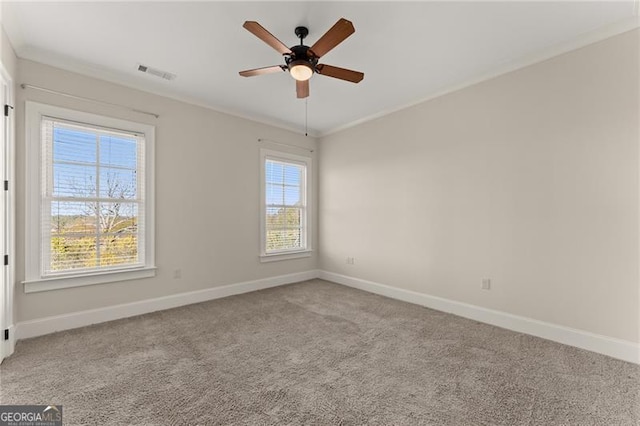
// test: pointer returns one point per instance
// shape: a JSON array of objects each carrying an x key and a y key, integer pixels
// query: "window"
[
  {"x": 90, "y": 211},
  {"x": 285, "y": 206}
]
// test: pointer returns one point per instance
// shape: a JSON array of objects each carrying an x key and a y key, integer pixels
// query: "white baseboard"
[
  {"x": 616, "y": 348},
  {"x": 42, "y": 326}
]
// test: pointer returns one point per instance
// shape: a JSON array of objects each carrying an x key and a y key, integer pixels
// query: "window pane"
[
  {"x": 72, "y": 144},
  {"x": 71, "y": 180},
  {"x": 275, "y": 240},
  {"x": 118, "y": 183},
  {"x": 118, "y": 217},
  {"x": 120, "y": 249},
  {"x": 120, "y": 151},
  {"x": 274, "y": 194},
  {"x": 292, "y": 238},
  {"x": 293, "y": 218},
  {"x": 283, "y": 217},
  {"x": 274, "y": 172},
  {"x": 75, "y": 252},
  {"x": 283, "y": 183},
  {"x": 283, "y": 239},
  {"x": 292, "y": 195},
  {"x": 275, "y": 217},
  {"x": 292, "y": 174},
  {"x": 70, "y": 217}
]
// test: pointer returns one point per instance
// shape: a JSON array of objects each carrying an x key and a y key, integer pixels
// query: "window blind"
[
  {"x": 285, "y": 196},
  {"x": 92, "y": 201}
]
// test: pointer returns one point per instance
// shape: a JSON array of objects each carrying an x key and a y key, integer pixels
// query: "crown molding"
[
  {"x": 538, "y": 56},
  {"x": 86, "y": 69}
]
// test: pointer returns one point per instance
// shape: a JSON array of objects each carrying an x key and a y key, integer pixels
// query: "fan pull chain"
[{"x": 306, "y": 116}]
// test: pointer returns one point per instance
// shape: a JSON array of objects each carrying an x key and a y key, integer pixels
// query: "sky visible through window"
[
  {"x": 283, "y": 184},
  {"x": 76, "y": 154}
]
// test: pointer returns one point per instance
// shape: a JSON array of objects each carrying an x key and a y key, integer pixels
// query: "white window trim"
[
  {"x": 288, "y": 254},
  {"x": 34, "y": 281}
]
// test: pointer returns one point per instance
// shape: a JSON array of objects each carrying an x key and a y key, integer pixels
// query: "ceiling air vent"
[{"x": 158, "y": 73}]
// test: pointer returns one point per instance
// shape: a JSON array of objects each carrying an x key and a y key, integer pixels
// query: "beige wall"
[
  {"x": 207, "y": 194},
  {"x": 530, "y": 179},
  {"x": 7, "y": 55}
]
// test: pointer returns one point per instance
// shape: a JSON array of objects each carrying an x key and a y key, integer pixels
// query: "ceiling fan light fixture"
[{"x": 300, "y": 70}]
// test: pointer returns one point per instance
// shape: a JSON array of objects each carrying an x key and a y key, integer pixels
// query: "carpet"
[{"x": 316, "y": 353}]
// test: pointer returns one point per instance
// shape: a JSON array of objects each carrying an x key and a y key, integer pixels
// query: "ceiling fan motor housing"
[{"x": 300, "y": 55}]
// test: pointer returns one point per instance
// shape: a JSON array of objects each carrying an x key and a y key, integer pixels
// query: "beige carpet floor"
[{"x": 316, "y": 353}]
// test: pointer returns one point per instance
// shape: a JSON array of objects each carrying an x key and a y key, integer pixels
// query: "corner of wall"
[{"x": 8, "y": 56}]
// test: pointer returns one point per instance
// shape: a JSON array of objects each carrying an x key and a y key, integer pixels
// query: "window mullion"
[
  {"x": 98, "y": 206},
  {"x": 284, "y": 209}
]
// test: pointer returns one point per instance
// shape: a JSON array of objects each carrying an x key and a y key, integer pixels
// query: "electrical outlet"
[
  {"x": 177, "y": 274},
  {"x": 486, "y": 284}
]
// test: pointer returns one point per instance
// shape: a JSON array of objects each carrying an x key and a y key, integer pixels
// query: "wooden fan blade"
[
  {"x": 336, "y": 35},
  {"x": 341, "y": 73},
  {"x": 261, "y": 71},
  {"x": 259, "y": 31},
  {"x": 302, "y": 89}
]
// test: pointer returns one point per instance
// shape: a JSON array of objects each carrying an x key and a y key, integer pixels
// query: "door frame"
[{"x": 7, "y": 215}]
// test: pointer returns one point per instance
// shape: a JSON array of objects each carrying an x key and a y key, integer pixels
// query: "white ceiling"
[{"x": 408, "y": 51}]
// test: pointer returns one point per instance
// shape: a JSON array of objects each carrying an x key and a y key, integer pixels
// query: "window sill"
[
  {"x": 102, "y": 277},
  {"x": 276, "y": 257}
]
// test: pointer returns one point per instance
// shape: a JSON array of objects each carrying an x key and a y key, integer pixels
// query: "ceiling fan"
[{"x": 302, "y": 61}]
